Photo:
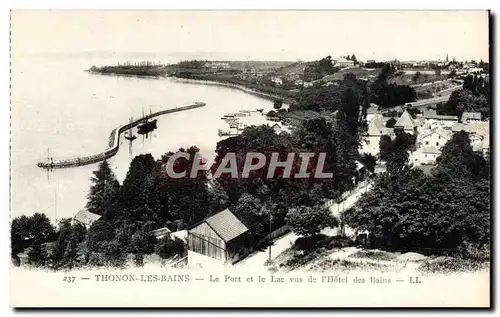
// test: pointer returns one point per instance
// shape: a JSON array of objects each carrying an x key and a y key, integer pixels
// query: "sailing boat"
[
  {"x": 128, "y": 135},
  {"x": 147, "y": 125}
]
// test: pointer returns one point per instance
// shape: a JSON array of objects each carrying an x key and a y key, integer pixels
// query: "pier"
[{"x": 114, "y": 142}]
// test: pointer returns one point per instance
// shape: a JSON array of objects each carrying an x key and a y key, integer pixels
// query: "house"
[
  {"x": 432, "y": 115},
  {"x": 308, "y": 84},
  {"x": 85, "y": 217},
  {"x": 406, "y": 123},
  {"x": 221, "y": 236},
  {"x": 299, "y": 82},
  {"x": 479, "y": 134},
  {"x": 471, "y": 117},
  {"x": 277, "y": 128},
  {"x": 436, "y": 138},
  {"x": 277, "y": 80},
  {"x": 429, "y": 145},
  {"x": 343, "y": 63},
  {"x": 377, "y": 128},
  {"x": 217, "y": 65}
]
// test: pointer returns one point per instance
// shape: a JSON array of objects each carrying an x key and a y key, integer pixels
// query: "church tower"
[{"x": 447, "y": 57}]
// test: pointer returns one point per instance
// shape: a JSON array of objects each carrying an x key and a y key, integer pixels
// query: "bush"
[
  {"x": 308, "y": 221},
  {"x": 169, "y": 247}
]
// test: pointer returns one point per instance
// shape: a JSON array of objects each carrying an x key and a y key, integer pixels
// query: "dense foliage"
[
  {"x": 388, "y": 95},
  {"x": 319, "y": 69},
  {"x": 474, "y": 97},
  {"x": 308, "y": 221},
  {"x": 442, "y": 212}
]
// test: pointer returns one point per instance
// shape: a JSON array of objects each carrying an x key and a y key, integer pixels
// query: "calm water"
[{"x": 58, "y": 106}]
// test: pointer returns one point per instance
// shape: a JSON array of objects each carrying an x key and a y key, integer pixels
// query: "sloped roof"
[
  {"x": 226, "y": 225},
  {"x": 471, "y": 115},
  {"x": 445, "y": 133},
  {"x": 377, "y": 127},
  {"x": 481, "y": 128},
  {"x": 86, "y": 217},
  {"x": 432, "y": 114},
  {"x": 405, "y": 121},
  {"x": 161, "y": 232}
]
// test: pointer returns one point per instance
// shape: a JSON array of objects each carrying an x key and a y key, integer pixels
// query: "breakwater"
[{"x": 114, "y": 143}]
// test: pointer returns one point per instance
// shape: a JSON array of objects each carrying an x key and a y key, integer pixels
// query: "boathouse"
[{"x": 221, "y": 236}]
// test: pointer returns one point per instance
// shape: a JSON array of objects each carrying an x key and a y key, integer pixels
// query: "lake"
[{"x": 60, "y": 110}]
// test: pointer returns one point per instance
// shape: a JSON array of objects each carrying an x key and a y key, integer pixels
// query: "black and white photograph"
[{"x": 250, "y": 158}]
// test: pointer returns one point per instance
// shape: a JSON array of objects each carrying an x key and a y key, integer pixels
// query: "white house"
[
  {"x": 429, "y": 145},
  {"x": 433, "y": 120},
  {"x": 343, "y": 63},
  {"x": 277, "y": 80},
  {"x": 435, "y": 138}
]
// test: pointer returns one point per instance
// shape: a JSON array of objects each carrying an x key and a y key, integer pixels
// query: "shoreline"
[
  {"x": 239, "y": 87},
  {"x": 228, "y": 85}
]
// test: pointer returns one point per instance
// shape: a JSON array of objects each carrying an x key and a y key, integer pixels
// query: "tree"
[
  {"x": 250, "y": 212},
  {"x": 437, "y": 72},
  {"x": 369, "y": 161},
  {"x": 59, "y": 247},
  {"x": 452, "y": 74},
  {"x": 104, "y": 190},
  {"x": 390, "y": 123},
  {"x": 458, "y": 160},
  {"x": 143, "y": 242},
  {"x": 24, "y": 230},
  {"x": 410, "y": 211},
  {"x": 75, "y": 253},
  {"x": 395, "y": 152},
  {"x": 416, "y": 76},
  {"x": 37, "y": 255},
  {"x": 309, "y": 221},
  {"x": 169, "y": 247},
  {"x": 353, "y": 58},
  {"x": 278, "y": 104}
]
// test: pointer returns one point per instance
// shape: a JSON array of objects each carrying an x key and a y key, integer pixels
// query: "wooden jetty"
[{"x": 114, "y": 143}]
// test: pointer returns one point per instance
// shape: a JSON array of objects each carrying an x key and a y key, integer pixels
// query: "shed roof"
[
  {"x": 226, "y": 225},
  {"x": 86, "y": 217}
]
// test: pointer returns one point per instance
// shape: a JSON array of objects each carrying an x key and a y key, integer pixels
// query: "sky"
[{"x": 258, "y": 35}]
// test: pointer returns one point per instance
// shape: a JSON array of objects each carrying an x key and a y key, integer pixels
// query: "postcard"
[{"x": 250, "y": 159}]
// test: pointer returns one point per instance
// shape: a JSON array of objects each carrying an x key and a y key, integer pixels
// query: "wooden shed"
[{"x": 221, "y": 236}]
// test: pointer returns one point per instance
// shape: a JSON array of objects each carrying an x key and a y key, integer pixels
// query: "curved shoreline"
[
  {"x": 114, "y": 144},
  {"x": 228, "y": 85}
]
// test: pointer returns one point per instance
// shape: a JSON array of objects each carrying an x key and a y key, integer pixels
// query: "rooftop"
[
  {"x": 86, "y": 217},
  {"x": 471, "y": 115},
  {"x": 226, "y": 225},
  {"x": 431, "y": 114},
  {"x": 406, "y": 121}
]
